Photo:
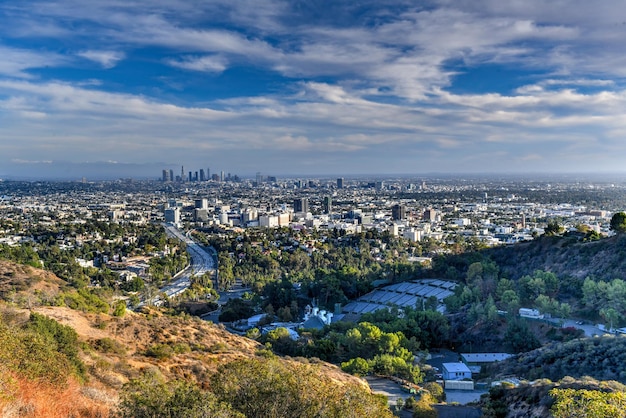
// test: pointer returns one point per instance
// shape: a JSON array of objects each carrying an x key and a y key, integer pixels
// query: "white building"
[
  {"x": 268, "y": 221},
  {"x": 413, "y": 234},
  {"x": 456, "y": 371}
]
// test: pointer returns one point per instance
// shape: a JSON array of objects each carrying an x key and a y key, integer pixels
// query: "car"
[{"x": 579, "y": 322}]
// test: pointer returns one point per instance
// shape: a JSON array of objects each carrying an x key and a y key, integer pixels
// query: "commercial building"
[
  {"x": 172, "y": 215},
  {"x": 398, "y": 212},
  {"x": 327, "y": 204},
  {"x": 301, "y": 205}
]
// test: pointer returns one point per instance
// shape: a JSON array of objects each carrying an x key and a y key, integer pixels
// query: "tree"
[
  {"x": 151, "y": 396},
  {"x": 519, "y": 337},
  {"x": 273, "y": 388},
  {"x": 618, "y": 222},
  {"x": 436, "y": 391},
  {"x": 356, "y": 366},
  {"x": 553, "y": 228},
  {"x": 611, "y": 316},
  {"x": 423, "y": 407},
  {"x": 510, "y": 301},
  {"x": 573, "y": 403}
]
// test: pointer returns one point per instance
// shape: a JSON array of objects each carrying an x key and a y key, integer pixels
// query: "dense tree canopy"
[{"x": 618, "y": 222}]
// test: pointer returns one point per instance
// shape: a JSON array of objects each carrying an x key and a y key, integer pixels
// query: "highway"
[{"x": 201, "y": 262}]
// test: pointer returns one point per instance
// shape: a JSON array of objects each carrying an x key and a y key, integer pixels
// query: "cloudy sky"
[{"x": 128, "y": 87}]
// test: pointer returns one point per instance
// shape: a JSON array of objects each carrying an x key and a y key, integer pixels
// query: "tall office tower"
[
  {"x": 430, "y": 215},
  {"x": 165, "y": 175},
  {"x": 195, "y": 176},
  {"x": 222, "y": 178},
  {"x": 171, "y": 175},
  {"x": 201, "y": 203},
  {"x": 182, "y": 173},
  {"x": 259, "y": 178},
  {"x": 301, "y": 205},
  {"x": 340, "y": 183},
  {"x": 190, "y": 176},
  {"x": 398, "y": 212},
  {"x": 208, "y": 173},
  {"x": 202, "y": 178},
  {"x": 328, "y": 204}
]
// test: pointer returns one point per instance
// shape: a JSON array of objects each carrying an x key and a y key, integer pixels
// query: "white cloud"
[
  {"x": 211, "y": 64},
  {"x": 15, "y": 61},
  {"x": 107, "y": 59}
]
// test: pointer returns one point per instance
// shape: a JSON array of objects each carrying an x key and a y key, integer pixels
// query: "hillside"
[
  {"x": 565, "y": 256},
  {"x": 566, "y": 398},
  {"x": 19, "y": 283},
  {"x": 602, "y": 358},
  {"x": 83, "y": 364}
]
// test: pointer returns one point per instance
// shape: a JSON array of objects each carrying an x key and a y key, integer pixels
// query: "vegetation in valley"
[
  {"x": 569, "y": 397},
  {"x": 602, "y": 358}
]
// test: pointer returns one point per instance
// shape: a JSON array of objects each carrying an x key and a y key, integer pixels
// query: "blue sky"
[{"x": 128, "y": 87}]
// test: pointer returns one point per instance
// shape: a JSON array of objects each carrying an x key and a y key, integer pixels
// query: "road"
[
  {"x": 590, "y": 330},
  {"x": 201, "y": 262},
  {"x": 386, "y": 387}
]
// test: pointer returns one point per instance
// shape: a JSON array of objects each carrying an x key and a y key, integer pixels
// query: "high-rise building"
[
  {"x": 328, "y": 204},
  {"x": 202, "y": 178},
  {"x": 182, "y": 173},
  {"x": 171, "y": 175},
  {"x": 201, "y": 203},
  {"x": 301, "y": 205},
  {"x": 165, "y": 175},
  {"x": 398, "y": 212},
  {"x": 430, "y": 215},
  {"x": 172, "y": 215},
  {"x": 190, "y": 176},
  {"x": 259, "y": 178},
  {"x": 222, "y": 178},
  {"x": 340, "y": 183}
]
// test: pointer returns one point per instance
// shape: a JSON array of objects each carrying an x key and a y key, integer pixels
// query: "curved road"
[{"x": 201, "y": 262}]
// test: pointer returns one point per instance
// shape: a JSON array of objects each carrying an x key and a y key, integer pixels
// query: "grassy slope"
[{"x": 113, "y": 349}]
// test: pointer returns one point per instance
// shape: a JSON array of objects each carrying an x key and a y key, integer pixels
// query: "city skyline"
[{"x": 106, "y": 89}]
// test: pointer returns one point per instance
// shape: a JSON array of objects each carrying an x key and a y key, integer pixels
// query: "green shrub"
[
  {"x": 160, "y": 351},
  {"x": 62, "y": 338},
  {"x": 108, "y": 345},
  {"x": 120, "y": 309},
  {"x": 151, "y": 396}
]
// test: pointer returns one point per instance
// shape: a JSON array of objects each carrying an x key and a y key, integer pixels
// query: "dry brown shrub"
[{"x": 34, "y": 399}]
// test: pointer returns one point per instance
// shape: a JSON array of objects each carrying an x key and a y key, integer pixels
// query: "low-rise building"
[{"x": 456, "y": 371}]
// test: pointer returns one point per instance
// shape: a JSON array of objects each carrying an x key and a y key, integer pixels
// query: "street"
[{"x": 201, "y": 262}]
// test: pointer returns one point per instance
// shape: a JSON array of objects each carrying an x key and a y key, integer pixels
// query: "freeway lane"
[{"x": 201, "y": 262}]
